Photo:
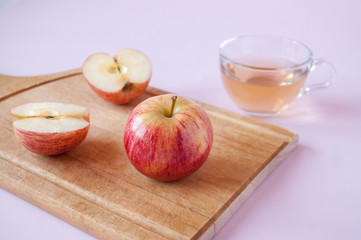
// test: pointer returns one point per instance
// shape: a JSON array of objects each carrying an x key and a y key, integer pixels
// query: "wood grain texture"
[{"x": 95, "y": 188}]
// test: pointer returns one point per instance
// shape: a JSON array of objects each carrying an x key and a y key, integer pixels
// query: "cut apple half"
[
  {"x": 119, "y": 79},
  {"x": 50, "y": 128}
]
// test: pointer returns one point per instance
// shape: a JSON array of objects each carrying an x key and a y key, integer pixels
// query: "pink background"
[{"x": 314, "y": 194}]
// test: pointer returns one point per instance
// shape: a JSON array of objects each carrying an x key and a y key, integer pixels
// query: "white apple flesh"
[
  {"x": 118, "y": 79},
  {"x": 168, "y": 139},
  {"x": 50, "y": 128}
]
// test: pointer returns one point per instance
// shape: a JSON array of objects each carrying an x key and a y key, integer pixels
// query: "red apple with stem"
[
  {"x": 119, "y": 79},
  {"x": 168, "y": 137},
  {"x": 50, "y": 128}
]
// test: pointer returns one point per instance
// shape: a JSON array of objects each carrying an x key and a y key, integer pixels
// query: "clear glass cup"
[{"x": 264, "y": 74}]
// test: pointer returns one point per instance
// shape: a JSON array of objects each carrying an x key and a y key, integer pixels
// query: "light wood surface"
[{"x": 94, "y": 186}]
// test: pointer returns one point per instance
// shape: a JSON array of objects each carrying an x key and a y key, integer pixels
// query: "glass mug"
[{"x": 264, "y": 74}]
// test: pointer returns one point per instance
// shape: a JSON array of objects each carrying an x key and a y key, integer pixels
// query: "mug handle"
[{"x": 316, "y": 63}]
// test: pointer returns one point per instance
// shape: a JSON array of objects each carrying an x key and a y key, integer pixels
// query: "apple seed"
[
  {"x": 53, "y": 117},
  {"x": 128, "y": 85}
]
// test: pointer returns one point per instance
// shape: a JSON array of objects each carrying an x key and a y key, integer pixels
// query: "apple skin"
[
  {"x": 168, "y": 148},
  {"x": 122, "y": 96},
  {"x": 50, "y": 143}
]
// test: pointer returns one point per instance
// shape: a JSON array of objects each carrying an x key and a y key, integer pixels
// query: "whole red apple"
[{"x": 168, "y": 137}]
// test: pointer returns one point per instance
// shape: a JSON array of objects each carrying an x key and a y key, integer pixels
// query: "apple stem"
[{"x": 174, "y": 99}]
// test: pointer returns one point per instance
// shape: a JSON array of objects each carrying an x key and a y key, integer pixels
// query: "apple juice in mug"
[
  {"x": 262, "y": 90},
  {"x": 263, "y": 75}
]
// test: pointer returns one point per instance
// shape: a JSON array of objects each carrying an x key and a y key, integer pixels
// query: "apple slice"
[
  {"x": 50, "y": 128},
  {"x": 118, "y": 79}
]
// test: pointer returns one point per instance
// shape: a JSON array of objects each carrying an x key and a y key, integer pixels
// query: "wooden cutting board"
[{"x": 94, "y": 186}]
